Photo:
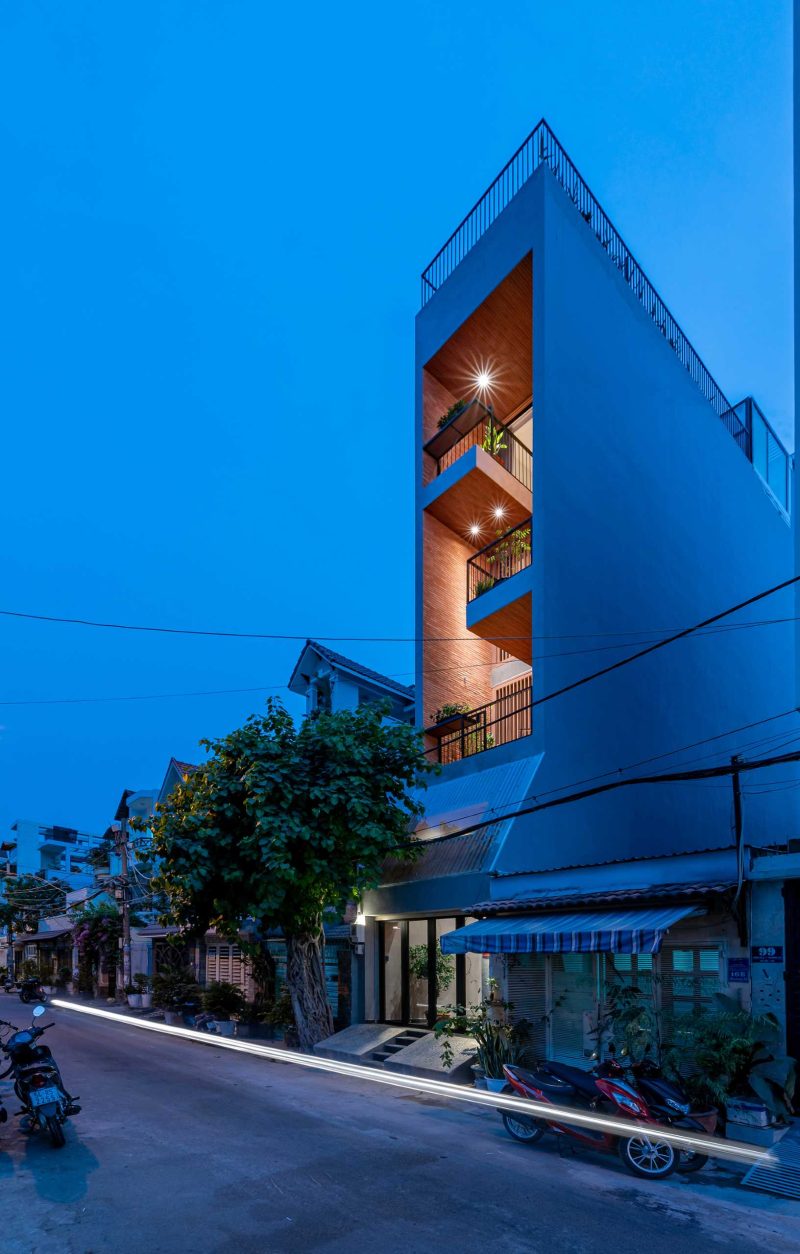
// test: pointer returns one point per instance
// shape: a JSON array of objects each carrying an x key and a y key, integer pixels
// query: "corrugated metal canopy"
[{"x": 619, "y": 932}]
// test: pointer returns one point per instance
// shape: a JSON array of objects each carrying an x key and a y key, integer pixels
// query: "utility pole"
[
  {"x": 738, "y": 837},
  {"x": 122, "y": 816}
]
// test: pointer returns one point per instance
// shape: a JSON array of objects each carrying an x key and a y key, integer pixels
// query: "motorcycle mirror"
[
  {"x": 624, "y": 1051},
  {"x": 594, "y": 1056},
  {"x": 38, "y": 1011}
]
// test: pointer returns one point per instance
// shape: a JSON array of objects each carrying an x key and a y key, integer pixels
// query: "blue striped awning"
[{"x": 616, "y": 932}]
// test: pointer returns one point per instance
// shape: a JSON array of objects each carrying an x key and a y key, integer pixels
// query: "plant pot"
[
  {"x": 226, "y": 1027},
  {"x": 134, "y": 1000},
  {"x": 146, "y": 1000},
  {"x": 494, "y": 1085},
  {"x": 173, "y": 1018}
]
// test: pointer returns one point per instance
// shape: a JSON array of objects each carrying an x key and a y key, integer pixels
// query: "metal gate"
[{"x": 791, "y": 899}]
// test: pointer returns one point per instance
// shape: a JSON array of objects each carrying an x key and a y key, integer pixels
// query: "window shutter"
[{"x": 527, "y": 990}]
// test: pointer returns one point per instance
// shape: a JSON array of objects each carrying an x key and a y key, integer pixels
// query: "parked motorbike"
[
  {"x": 556, "y": 1084},
  {"x": 46, "y": 1104},
  {"x": 29, "y": 989},
  {"x": 667, "y": 1101}
]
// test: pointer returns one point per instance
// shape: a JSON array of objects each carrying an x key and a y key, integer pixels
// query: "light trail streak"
[{"x": 715, "y": 1147}]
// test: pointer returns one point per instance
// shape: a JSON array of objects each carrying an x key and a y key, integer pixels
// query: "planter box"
[
  {"x": 753, "y": 1136},
  {"x": 751, "y": 1114},
  {"x": 146, "y": 1000},
  {"x": 134, "y": 1000},
  {"x": 174, "y": 1018}
]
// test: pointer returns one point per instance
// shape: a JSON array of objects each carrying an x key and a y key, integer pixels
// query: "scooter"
[
  {"x": 557, "y": 1084},
  {"x": 46, "y": 1104},
  {"x": 667, "y": 1101},
  {"x": 29, "y": 989}
]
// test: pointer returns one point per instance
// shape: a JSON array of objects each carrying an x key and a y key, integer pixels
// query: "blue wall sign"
[
  {"x": 738, "y": 970},
  {"x": 767, "y": 953}
]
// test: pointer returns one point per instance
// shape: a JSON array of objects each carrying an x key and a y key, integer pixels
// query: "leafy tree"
[{"x": 284, "y": 822}]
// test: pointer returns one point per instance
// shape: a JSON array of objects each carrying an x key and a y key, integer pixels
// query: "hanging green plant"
[{"x": 451, "y": 413}]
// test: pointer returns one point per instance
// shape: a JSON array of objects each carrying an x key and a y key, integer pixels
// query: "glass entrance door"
[{"x": 416, "y": 979}]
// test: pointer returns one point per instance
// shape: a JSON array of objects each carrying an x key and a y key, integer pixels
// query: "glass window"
[{"x": 690, "y": 977}]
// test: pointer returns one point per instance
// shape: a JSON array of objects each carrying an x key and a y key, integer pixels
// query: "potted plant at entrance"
[
  {"x": 226, "y": 1003},
  {"x": 134, "y": 996},
  {"x": 498, "y": 1041},
  {"x": 142, "y": 983}
]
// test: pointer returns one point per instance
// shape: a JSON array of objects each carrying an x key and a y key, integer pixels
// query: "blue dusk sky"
[{"x": 214, "y": 218}]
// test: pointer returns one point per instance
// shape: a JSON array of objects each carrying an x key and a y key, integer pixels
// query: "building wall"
[{"x": 647, "y": 517}]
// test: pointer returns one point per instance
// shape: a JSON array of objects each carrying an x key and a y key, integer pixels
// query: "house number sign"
[{"x": 767, "y": 953}]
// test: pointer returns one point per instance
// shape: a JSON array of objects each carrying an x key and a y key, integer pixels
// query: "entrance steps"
[
  {"x": 407, "y": 1037},
  {"x": 407, "y": 1051}
]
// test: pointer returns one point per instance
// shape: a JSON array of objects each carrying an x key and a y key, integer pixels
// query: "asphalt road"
[{"x": 184, "y": 1147}]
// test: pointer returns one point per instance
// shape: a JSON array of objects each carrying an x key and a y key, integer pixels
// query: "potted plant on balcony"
[
  {"x": 226, "y": 1003},
  {"x": 142, "y": 983},
  {"x": 449, "y": 712},
  {"x": 451, "y": 413},
  {"x": 494, "y": 440}
]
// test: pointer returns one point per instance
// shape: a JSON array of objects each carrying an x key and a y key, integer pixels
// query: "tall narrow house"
[{"x": 584, "y": 488}]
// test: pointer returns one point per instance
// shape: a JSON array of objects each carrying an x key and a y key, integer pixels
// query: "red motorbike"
[{"x": 560, "y": 1085}]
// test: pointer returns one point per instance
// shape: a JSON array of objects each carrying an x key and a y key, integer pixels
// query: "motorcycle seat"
[{"x": 580, "y": 1080}]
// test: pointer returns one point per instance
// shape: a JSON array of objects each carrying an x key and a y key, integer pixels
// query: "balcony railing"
[
  {"x": 542, "y": 148},
  {"x": 504, "y": 557},
  {"x": 475, "y": 426},
  {"x": 498, "y": 723},
  {"x": 759, "y": 442}
]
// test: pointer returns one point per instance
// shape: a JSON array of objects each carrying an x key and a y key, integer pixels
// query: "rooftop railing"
[
  {"x": 504, "y": 557},
  {"x": 475, "y": 426},
  {"x": 542, "y": 148}
]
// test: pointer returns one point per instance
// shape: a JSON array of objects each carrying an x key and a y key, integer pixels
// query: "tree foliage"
[{"x": 283, "y": 822}]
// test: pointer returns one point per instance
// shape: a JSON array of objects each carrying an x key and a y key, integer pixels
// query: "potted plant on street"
[
  {"x": 142, "y": 983},
  {"x": 133, "y": 995},
  {"x": 171, "y": 991},
  {"x": 226, "y": 1003}
]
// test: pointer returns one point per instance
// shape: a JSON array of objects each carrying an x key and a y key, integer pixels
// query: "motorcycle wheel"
[
  {"x": 529, "y": 1131},
  {"x": 649, "y": 1159},
  {"x": 688, "y": 1162},
  {"x": 25, "y": 997},
  {"x": 56, "y": 1131}
]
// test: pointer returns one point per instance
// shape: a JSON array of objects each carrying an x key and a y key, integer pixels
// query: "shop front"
[{"x": 561, "y": 971}]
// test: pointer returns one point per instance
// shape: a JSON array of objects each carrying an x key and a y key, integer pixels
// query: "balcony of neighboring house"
[{"x": 459, "y": 732}]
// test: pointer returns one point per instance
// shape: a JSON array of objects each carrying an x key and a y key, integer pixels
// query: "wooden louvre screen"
[{"x": 512, "y": 711}]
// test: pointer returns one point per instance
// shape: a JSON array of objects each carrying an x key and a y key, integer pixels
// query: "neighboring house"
[
  {"x": 330, "y": 681},
  {"x": 52, "y": 852},
  {"x": 595, "y": 492}
]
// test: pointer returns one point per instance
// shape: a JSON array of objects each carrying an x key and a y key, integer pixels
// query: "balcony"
[
  {"x": 482, "y": 469},
  {"x": 499, "y": 592},
  {"x": 467, "y": 732}
]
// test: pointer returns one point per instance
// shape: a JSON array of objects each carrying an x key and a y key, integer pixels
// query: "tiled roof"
[
  {"x": 185, "y": 768},
  {"x": 374, "y": 677},
  {"x": 517, "y": 905}
]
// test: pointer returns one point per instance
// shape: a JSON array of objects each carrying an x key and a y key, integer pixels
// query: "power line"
[
  {"x": 263, "y": 635},
  {"x": 662, "y": 644},
  {"x": 707, "y": 772},
  {"x": 493, "y": 815}
]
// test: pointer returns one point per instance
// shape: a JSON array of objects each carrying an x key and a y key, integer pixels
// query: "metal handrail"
[
  {"x": 498, "y": 722},
  {"x": 499, "y": 560},
  {"x": 541, "y": 147},
  {"x": 511, "y": 453}
]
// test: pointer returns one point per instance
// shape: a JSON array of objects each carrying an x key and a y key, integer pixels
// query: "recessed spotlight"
[
  {"x": 499, "y": 513},
  {"x": 483, "y": 380},
  {"x": 474, "y": 531}
]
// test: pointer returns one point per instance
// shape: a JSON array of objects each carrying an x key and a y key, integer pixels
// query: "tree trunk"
[{"x": 305, "y": 978}]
